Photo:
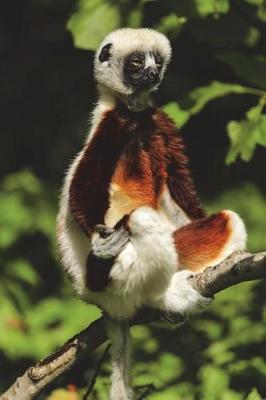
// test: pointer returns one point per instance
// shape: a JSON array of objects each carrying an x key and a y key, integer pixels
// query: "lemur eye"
[
  {"x": 158, "y": 59},
  {"x": 135, "y": 63},
  {"x": 159, "y": 62}
]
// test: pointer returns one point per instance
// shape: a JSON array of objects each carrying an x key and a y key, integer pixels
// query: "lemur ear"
[{"x": 105, "y": 52}]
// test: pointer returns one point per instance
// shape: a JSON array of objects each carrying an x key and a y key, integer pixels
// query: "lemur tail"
[
  {"x": 208, "y": 241},
  {"x": 119, "y": 334}
]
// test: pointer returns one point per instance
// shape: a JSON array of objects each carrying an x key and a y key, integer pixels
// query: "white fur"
[
  {"x": 119, "y": 333},
  {"x": 180, "y": 296},
  {"x": 143, "y": 270},
  {"x": 238, "y": 238},
  {"x": 73, "y": 245},
  {"x": 171, "y": 212},
  {"x": 124, "y": 41}
]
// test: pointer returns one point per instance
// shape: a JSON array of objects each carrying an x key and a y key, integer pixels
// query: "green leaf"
[
  {"x": 202, "y": 95},
  {"x": 246, "y": 134},
  {"x": 248, "y": 67},
  {"x": 198, "y": 99},
  {"x": 63, "y": 394},
  {"x": 206, "y": 7},
  {"x": 23, "y": 271},
  {"x": 171, "y": 25},
  {"x": 93, "y": 20},
  {"x": 134, "y": 17},
  {"x": 254, "y": 395},
  {"x": 24, "y": 208},
  {"x": 179, "y": 116},
  {"x": 255, "y": 2},
  {"x": 254, "y": 113},
  {"x": 214, "y": 381}
]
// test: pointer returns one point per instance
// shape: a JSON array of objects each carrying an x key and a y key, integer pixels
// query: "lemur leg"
[
  {"x": 208, "y": 241},
  {"x": 200, "y": 244},
  {"x": 119, "y": 333}
]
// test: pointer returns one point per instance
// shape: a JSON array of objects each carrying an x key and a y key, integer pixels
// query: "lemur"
[{"x": 130, "y": 227}]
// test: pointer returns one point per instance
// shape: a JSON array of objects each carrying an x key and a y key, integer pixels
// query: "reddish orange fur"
[
  {"x": 140, "y": 189},
  {"x": 179, "y": 180},
  {"x": 202, "y": 241}
]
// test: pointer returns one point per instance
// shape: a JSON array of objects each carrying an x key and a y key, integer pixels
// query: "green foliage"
[
  {"x": 23, "y": 208},
  {"x": 245, "y": 135},
  {"x": 198, "y": 98},
  {"x": 63, "y": 394},
  {"x": 29, "y": 328},
  {"x": 205, "y": 7},
  {"x": 254, "y": 395},
  {"x": 171, "y": 25},
  {"x": 88, "y": 32},
  {"x": 251, "y": 68},
  {"x": 84, "y": 23}
]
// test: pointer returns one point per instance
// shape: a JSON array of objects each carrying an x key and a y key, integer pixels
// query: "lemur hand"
[{"x": 109, "y": 242}]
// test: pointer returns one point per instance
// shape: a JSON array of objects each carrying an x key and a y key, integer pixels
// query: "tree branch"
[{"x": 239, "y": 267}]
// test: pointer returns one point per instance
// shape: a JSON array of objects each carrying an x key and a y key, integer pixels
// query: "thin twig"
[
  {"x": 149, "y": 389},
  {"x": 96, "y": 373}
]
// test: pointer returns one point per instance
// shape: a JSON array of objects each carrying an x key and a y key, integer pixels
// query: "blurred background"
[{"x": 215, "y": 90}]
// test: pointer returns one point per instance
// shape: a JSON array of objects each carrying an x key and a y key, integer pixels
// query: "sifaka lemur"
[{"x": 130, "y": 227}]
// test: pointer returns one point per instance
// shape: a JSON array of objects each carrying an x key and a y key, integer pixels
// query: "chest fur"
[
  {"x": 122, "y": 167},
  {"x": 138, "y": 178}
]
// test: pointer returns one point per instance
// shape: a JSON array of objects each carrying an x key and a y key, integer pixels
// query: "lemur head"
[{"x": 130, "y": 63}]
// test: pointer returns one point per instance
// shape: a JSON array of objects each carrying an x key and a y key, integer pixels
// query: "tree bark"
[{"x": 239, "y": 267}]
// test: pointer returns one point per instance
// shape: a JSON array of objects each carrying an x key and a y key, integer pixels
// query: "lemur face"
[
  {"x": 132, "y": 61},
  {"x": 142, "y": 70}
]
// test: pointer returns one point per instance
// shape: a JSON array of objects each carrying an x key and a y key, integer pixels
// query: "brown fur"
[
  {"x": 89, "y": 189},
  {"x": 179, "y": 179},
  {"x": 140, "y": 153},
  {"x": 202, "y": 241}
]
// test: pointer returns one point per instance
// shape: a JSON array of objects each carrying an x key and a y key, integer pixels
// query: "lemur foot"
[
  {"x": 181, "y": 297},
  {"x": 109, "y": 242},
  {"x": 171, "y": 318}
]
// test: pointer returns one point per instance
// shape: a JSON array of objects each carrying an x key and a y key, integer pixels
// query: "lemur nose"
[{"x": 153, "y": 74}]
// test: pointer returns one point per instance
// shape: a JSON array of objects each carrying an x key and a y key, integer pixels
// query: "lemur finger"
[
  {"x": 108, "y": 252},
  {"x": 117, "y": 240},
  {"x": 103, "y": 230},
  {"x": 112, "y": 245}
]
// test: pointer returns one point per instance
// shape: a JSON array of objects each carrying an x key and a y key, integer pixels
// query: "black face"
[{"x": 137, "y": 71}]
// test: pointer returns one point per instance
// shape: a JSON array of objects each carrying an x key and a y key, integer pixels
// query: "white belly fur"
[{"x": 145, "y": 267}]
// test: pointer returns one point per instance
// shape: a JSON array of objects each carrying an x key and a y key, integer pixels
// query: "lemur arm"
[
  {"x": 106, "y": 246},
  {"x": 88, "y": 197},
  {"x": 179, "y": 181},
  {"x": 89, "y": 187}
]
